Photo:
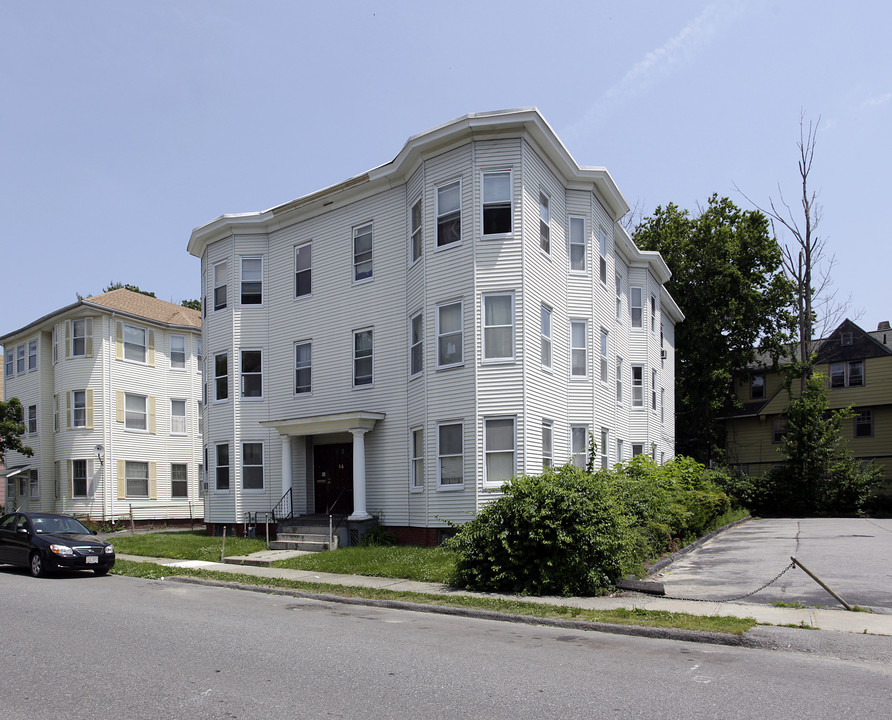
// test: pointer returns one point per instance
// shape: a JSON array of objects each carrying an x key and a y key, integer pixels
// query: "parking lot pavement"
[{"x": 852, "y": 556}]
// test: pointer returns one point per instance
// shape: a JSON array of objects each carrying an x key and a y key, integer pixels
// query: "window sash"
[
  {"x": 252, "y": 373},
  {"x": 134, "y": 343},
  {"x": 757, "y": 386},
  {"x": 252, "y": 466},
  {"x": 545, "y": 330},
  {"x": 178, "y": 417},
  {"x": 863, "y": 423},
  {"x": 579, "y": 445},
  {"x": 178, "y": 351},
  {"x": 363, "y": 357},
  {"x": 362, "y": 252},
  {"x": 636, "y": 309},
  {"x": 450, "y": 454},
  {"x": 499, "y": 449},
  {"x": 577, "y": 244},
  {"x": 498, "y": 327},
  {"x": 544, "y": 224},
  {"x": 303, "y": 368},
  {"x": 32, "y": 355},
  {"x": 579, "y": 348},
  {"x": 220, "y": 279},
  {"x": 416, "y": 349},
  {"x": 136, "y": 476},
  {"x": 221, "y": 467},
  {"x": 79, "y": 408},
  {"x": 252, "y": 281},
  {"x": 79, "y": 337},
  {"x": 547, "y": 444},
  {"x": 497, "y": 203},
  {"x": 416, "y": 239},
  {"x": 450, "y": 335},
  {"x": 417, "y": 459},
  {"x": 637, "y": 386},
  {"x": 449, "y": 214},
  {"x": 221, "y": 377},
  {"x": 136, "y": 412},
  {"x": 179, "y": 480},
  {"x": 605, "y": 371},
  {"x": 79, "y": 478},
  {"x": 303, "y": 270}
]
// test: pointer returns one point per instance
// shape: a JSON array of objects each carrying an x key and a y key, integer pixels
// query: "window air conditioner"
[{"x": 664, "y": 354}]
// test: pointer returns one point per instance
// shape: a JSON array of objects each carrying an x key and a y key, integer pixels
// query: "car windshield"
[{"x": 57, "y": 525}]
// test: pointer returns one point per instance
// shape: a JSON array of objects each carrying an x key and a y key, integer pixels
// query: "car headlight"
[
  {"x": 62, "y": 550},
  {"x": 109, "y": 549}
]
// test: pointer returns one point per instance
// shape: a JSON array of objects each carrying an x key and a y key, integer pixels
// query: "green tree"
[
  {"x": 192, "y": 304},
  {"x": 728, "y": 280},
  {"x": 12, "y": 428}
]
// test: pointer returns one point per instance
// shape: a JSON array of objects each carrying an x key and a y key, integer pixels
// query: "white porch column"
[
  {"x": 286, "y": 463},
  {"x": 359, "y": 511}
]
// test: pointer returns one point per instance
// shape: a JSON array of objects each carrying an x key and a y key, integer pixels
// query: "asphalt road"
[
  {"x": 852, "y": 556},
  {"x": 86, "y": 648}
]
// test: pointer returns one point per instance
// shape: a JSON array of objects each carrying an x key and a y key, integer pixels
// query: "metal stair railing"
[{"x": 284, "y": 509}]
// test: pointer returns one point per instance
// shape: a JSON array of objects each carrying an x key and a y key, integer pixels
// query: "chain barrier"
[{"x": 739, "y": 597}]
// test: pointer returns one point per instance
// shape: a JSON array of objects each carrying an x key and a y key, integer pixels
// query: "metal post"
[
  {"x": 330, "y": 540},
  {"x": 818, "y": 581},
  {"x": 223, "y": 545},
  {"x": 267, "y": 531}
]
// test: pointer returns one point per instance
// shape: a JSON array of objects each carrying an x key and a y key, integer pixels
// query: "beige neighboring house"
[{"x": 111, "y": 389}]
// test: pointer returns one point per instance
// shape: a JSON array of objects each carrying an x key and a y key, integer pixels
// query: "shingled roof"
[{"x": 149, "y": 308}]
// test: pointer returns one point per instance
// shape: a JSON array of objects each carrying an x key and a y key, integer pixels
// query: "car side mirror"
[
  {"x": 93, "y": 532},
  {"x": 22, "y": 530}
]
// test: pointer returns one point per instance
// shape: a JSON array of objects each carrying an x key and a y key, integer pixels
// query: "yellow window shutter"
[
  {"x": 152, "y": 414},
  {"x": 150, "y": 347},
  {"x": 70, "y": 479},
  {"x": 122, "y": 492},
  {"x": 67, "y": 339},
  {"x": 119, "y": 341},
  {"x": 153, "y": 480},
  {"x": 119, "y": 406},
  {"x": 89, "y": 400},
  {"x": 88, "y": 340}
]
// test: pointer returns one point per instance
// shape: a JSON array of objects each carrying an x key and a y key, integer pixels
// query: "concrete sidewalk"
[{"x": 833, "y": 620}]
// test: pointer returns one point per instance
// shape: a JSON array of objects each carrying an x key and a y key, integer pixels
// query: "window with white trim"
[
  {"x": 604, "y": 449},
  {"x": 497, "y": 203},
  {"x": 32, "y": 355},
  {"x": 757, "y": 386},
  {"x": 416, "y": 237},
  {"x": 619, "y": 451},
  {"x": 179, "y": 480},
  {"x": 662, "y": 404},
  {"x": 55, "y": 413},
  {"x": 362, "y": 252},
  {"x": 577, "y": 244},
  {"x": 619, "y": 380},
  {"x": 178, "y": 352},
  {"x": 498, "y": 326},
  {"x": 303, "y": 269},
  {"x": 619, "y": 298},
  {"x": 33, "y": 484},
  {"x": 221, "y": 468},
  {"x": 602, "y": 245},
  {"x": 416, "y": 344},
  {"x": 32, "y": 419},
  {"x": 81, "y": 337},
  {"x": 544, "y": 224},
  {"x": 252, "y": 281},
  {"x": 635, "y": 307},
  {"x": 653, "y": 314},
  {"x": 78, "y": 408},
  {"x": 177, "y": 417},
  {"x": 135, "y": 343},
  {"x": 79, "y": 485},
  {"x": 303, "y": 367},
  {"x": 20, "y": 359},
  {"x": 847, "y": 374},
  {"x": 363, "y": 357},
  {"x": 252, "y": 373},
  {"x": 605, "y": 370},
  {"x": 579, "y": 445},
  {"x": 637, "y": 386},
  {"x": 545, "y": 333},
  {"x": 547, "y": 443},
  {"x": 637, "y": 449},
  {"x": 199, "y": 417},
  {"x": 653, "y": 390},
  {"x": 252, "y": 466},
  {"x": 136, "y": 414},
  {"x": 449, "y": 214},
  {"x": 136, "y": 475},
  {"x": 221, "y": 272},
  {"x": 579, "y": 348},
  {"x": 416, "y": 462},
  {"x": 779, "y": 425},
  {"x": 221, "y": 377},
  {"x": 10, "y": 363},
  {"x": 450, "y": 335},
  {"x": 498, "y": 443},
  {"x": 450, "y": 455}
]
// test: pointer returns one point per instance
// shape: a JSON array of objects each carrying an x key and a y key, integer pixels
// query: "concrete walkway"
[{"x": 840, "y": 620}]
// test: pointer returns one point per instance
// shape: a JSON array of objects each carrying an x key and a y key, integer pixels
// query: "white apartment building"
[
  {"x": 402, "y": 343},
  {"x": 111, "y": 389}
]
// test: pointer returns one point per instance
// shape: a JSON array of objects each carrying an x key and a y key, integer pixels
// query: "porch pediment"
[{"x": 323, "y": 424}]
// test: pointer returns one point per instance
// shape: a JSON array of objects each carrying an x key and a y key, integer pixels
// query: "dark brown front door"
[{"x": 333, "y": 473}]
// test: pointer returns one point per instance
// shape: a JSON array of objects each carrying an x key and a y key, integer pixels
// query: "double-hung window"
[
  {"x": 450, "y": 455},
  {"x": 20, "y": 359},
  {"x": 544, "y": 223},
  {"x": 10, "y": 364},
  {"x": 757, "y": 386},
  {"x": 179, "y": 480},
  {"x": 221, "y": 377},
  {"x": 416, "y": 237},
  {"x": 578, "y": 445},
  {"x": 136, "y": 412},
  {"x": 252, "y": 281},
  {"x": 362, "y": 252},
  {"x": 498, "y": 327},
  {"x": 177, "y": 417},
  {"x": 449, "y": 214},
  {"x": 32, "y": 355},
  {"x": 605, "y": 370},
  {"x": 178, "y": 352},
  {"x": 134, "y": 343},
  {"x": 779, "y": 427},
  {"x": 863, "y": 423},
  {"x": 653, "y": 314},
  {"x": 78, "y": 478},
  {"x": 450, "y": 335},
  {"x": 252, "y": 466},
  {"x": 303, "y": 367},
  {"x": 619, "y": 298},
  {"x": 77, "y": 408},
  {"x": 252, "y": 373},
  {"x": 604, "y": 448},
  {"x": 602, "y": 237},
  {"x": 416, "y": 349},
  {"x": 303, "y": 269},
  {"x": 222, "y": 467},
  {"x": 619, "y": 380},
  {"x": 847, "y": 374},
  {"x": 653, "y": 390},
  {"x": 32, "y": 419},
  {"x": 545, "y": 330},
  {"x": 577, "y": 244},
  {"x": 497, "y": 203},
  {"x": 579, "y": 349},
  {"x": 137, "y": 479},
  {"x": 499, "y": 440},
  {"x": 363, "y": 357},
  {"x": 635, "y": 307},
  {"x": 637, "y": 386},
  {"x": 81, "y": 337},
  {"x": 417, "y": 459},
  {"x": 547, "y": 443},
  {"x": 221, "y": 272}
]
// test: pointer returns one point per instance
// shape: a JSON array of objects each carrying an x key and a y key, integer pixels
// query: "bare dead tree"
[{"x": 633, "y": 218}]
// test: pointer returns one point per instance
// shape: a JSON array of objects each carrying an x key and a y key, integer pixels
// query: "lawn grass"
[
  {"x": 188, "y": 545},
  {"x": 409, "y": 562},
  {"x": 647, "y": 618}
]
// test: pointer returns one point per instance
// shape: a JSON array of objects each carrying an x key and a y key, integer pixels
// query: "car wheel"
[
  {"x": 38, "y": 569},
  {"x": 100, "y": 571}
]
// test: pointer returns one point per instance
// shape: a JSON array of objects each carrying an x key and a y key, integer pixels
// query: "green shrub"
[{"x": 561, "y": 533}]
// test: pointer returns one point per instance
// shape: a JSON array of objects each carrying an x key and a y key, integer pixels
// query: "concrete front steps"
[{"x": 306, "y": 541}]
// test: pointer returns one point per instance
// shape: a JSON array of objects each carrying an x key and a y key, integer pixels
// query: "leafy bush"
[{"x": 561, "y": 533}]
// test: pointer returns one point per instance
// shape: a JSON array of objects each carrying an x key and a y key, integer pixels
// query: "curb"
[
  {"x": 662, "y": 563},
  {"x": 700, "y": 636}
]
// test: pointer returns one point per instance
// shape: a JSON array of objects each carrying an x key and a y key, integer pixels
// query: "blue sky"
[{"x": 125, "y": 125}]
